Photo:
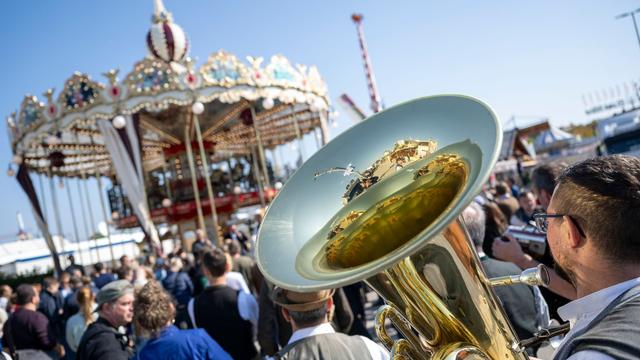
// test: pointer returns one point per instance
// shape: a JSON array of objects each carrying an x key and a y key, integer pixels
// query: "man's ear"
[
  {"x": 575, "y": 237},
  {"x": 285, "y": 314},
  {"x": 330, "y": 302}
]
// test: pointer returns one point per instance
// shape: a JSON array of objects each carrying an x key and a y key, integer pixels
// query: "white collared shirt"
[
  {"x": 580, "y": 312},
  {"x": 377, "y": 352}
]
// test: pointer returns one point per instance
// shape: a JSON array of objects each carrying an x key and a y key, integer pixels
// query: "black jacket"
[
  {"x": 102, "y": 341},
  {"x": 51, "y": 307}
]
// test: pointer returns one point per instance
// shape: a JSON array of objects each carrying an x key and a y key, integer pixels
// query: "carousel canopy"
[{"x": 59, "y": 132}]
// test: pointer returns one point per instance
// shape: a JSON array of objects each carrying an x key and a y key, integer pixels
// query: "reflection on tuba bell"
[{"x": 380, "y": 203}]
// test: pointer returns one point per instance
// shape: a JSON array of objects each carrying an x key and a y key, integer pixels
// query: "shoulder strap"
[{"x": 288, "y": 347}]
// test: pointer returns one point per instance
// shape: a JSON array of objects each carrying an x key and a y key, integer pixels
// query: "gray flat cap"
[{"x": 112, "y": 291}]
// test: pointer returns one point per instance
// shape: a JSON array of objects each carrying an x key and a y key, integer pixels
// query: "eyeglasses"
[{"x": 542, "y": 222}]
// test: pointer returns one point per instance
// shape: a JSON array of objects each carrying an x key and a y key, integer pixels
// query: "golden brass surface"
[
  {"x": 399, "y": 217},
  {"x": 397, "y": 227}
]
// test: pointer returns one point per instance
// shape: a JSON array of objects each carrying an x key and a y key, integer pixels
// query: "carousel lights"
[
  {"x": 53, "y": 139},
  {"x": 268, "y": 103},
  {"x": 166, "y": 202},
  {"x": 278, "y": 185},
  {"x": 10, "y": 171},
  {"x": 237, "y": 190},
  {"x": 61, "y": 184},
  {"x": 119, "y": 122},
  {"x": 197, "y": 108}
]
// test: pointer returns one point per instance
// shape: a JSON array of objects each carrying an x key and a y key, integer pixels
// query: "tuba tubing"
[{"x": 397, "y": 227}]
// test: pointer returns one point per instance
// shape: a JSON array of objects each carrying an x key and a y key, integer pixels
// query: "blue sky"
[{"x": 522, "y": 58}]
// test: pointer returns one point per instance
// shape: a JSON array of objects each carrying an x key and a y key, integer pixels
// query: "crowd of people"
[
  {"x": 210, "y": 302},
  {"x": 207, "y": 302}
]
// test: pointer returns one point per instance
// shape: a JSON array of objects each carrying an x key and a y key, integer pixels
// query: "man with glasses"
[
  {"x": 543, "y": 181},
  {"x": 592, "y": 229}
]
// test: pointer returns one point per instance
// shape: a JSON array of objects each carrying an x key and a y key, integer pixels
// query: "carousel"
[{"x": 180, "y": 144}]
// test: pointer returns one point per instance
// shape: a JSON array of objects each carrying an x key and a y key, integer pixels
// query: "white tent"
[{"x": 552, "y": 137}]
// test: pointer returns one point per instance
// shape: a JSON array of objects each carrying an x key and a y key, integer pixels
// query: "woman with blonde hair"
[
  {"x": 78, "y": 323},
  {"x": 154, "y": 316}
]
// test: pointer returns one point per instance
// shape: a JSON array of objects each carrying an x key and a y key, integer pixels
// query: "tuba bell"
[{"x": 381, "y": 203}]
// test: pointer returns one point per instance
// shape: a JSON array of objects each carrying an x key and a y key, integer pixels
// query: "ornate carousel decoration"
[{"x": 184, "y": 118}]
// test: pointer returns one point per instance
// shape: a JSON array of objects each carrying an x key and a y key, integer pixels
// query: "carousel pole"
[
  {"x": 296, "y": 127},
  {"x": 56, "y": 210},
  {"x": 84, "y": 222},
  {"x": 205, "y": 167},
  {"x": 194, "y": 180},
  {"x": 277, "y": 168},
  {"x": 324, "y": 129},
  {"x": 76, "y": 234},
  {"x": 104, "y": 215},
  {"x": 263, "y": 161},
  {"x": 231, "y": 183},
  {"x": 317, "y": 137},
  {"x": 93, "y": 222},
  {"x": 164, "y": 177},
  {"x": 256, "y": 174},
  {"x": 285, "y": 172}
]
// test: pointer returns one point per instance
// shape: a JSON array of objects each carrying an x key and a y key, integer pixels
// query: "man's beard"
[{"x": 564, "y": 273}]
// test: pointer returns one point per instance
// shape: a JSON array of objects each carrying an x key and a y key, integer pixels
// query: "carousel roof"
[{"x": 60, "y": 134}]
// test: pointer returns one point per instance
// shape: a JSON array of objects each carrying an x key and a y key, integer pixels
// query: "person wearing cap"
[
  {"x": 102, "y": 340},
  {"x": 313, "y": 337}
]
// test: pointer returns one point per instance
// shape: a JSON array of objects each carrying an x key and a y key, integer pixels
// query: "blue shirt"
[{"x": 175, "y": 344}]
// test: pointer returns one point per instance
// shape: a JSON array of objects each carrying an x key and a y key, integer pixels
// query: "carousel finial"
[
  {"x": 112, "y": 75},
  {"x": 166, "y": 40},
  {"x": 49, "y": 95},
  {"x": 160, "y": 14}
]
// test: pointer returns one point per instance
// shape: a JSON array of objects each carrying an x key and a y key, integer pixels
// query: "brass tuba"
[{"x": 380, "y": 203}]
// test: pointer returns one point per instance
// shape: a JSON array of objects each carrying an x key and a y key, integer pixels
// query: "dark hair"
[
  {"x": 496, "y": 222},
  {"x": 122, "y": 272},
  {"x": 309, "y": 318},
  {"x": 48, "y": 282},
  {"x": 233, "y": 247},
  {"x": 544, "y": 177},
  {"x": 603, "y": 196},
  {"x": 502, "y": 188},
  {"x": 524, "y": 193},
  {"x": 25, "y": 294},
  {"x": 98, "y": 266},
  {"x": 215, "y": 261}
]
